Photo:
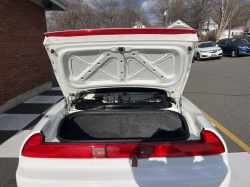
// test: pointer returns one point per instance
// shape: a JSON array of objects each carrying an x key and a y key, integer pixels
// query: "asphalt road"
[{"x": 221, "y": 88}]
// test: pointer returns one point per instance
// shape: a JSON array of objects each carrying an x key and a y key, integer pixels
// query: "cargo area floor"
[{"x": 122, "y": 125}]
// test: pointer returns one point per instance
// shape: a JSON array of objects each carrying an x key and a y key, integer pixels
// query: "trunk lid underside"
[{"x": 153, "y": 61}]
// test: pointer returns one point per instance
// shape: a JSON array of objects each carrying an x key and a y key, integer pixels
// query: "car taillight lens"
[{"x": 208, "y": 145}]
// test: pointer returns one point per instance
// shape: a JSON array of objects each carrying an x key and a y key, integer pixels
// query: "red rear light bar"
[
  {"x": 208, "y": 145},
  {"x": 118, "y": 32}
]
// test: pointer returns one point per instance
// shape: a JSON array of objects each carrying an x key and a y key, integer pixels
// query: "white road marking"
[
  {"x": 10, "y": 148},
  {"x": 44, "y": 99},
  {"x": 16, "y": 121}
]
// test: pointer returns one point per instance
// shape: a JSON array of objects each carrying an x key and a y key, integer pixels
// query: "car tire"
[
  {"x": 198, "y": 58},
  {"x": 234, "y": 53},
  {"x": 218, "y": 57}
]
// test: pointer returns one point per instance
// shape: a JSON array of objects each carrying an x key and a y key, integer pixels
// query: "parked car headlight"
[
  {"x": 243, "y": 47},
  {"x": 219, "y": 49}
]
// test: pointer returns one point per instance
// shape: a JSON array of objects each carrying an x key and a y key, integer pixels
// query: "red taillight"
[
  {"x": 208, "y": 145},
  {"x": 33, "y": 146}
]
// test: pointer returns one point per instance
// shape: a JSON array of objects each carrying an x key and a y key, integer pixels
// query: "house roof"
[
  {"x": 211, "y": 21},
  {"x": 52, "y": 5},
  {"x": 178, "y": 24},
  {"x": 240, "y": 28}
]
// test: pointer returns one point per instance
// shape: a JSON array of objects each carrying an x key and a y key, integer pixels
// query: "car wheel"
[
  {"x": 198, "y": 57},
  {"x": 234, "y": 53},
  {"x": 218, "y": 57}
]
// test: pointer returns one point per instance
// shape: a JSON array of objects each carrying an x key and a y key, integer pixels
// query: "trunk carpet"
[{"x": 106, "y": 125}]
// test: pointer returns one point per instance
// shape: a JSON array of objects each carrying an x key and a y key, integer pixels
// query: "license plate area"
[{"x": 213, "y": 55}]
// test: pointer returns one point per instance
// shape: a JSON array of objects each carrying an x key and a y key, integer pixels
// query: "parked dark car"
[
  {"x": 235, "y": 46},
  {"x": 248, "y": 39}
]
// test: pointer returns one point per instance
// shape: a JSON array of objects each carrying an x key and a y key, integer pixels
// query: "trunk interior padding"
[{"x": 111, "y": 125}]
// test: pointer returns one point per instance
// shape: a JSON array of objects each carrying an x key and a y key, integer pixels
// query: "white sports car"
[
  {"x": 205, "y": 50},
  {"x": 124, "y": 121}
]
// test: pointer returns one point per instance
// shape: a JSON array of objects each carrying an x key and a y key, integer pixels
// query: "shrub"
[
  {"x": 241, "y": 36},
  {"x": 203, "y": 38}
]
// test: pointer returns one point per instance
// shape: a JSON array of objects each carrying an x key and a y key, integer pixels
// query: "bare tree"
[
  {"x": 178, "y": 10},
  {"x": 129, "y": 12},
  {"x": 98, "y": 14},
  {"x": 210, "y": 5},
  {"x": 142, "y": 16},
  {"x": 198, "y": 13},
  {"x": 108, "y": 11},
  {"x": 226, "y": 10},
  {"x": 78, "y": 16},
  {"x": 158, "y": 10},
  {"x": 242, "y": 16}
]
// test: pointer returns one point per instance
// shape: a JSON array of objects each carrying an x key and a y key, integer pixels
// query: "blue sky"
[{"x": 147, "y": 5}]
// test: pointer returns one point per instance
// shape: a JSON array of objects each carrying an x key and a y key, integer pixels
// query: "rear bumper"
[{"x": 207, "y": 171}]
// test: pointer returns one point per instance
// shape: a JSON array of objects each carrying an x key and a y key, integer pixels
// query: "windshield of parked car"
[
  {"x": 206, "y": 44},
  {"x": 239, "y": 41}
]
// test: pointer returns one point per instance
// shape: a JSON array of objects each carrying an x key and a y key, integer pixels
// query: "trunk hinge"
[{"x": 69, "y": 100}]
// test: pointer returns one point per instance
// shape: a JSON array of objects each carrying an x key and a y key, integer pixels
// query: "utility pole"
[{"x": 166, "y": 16}]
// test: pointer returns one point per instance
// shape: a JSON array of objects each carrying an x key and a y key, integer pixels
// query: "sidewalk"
[{"x": 25, "y": 115}]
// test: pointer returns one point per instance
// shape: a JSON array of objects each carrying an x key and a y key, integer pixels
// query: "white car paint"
[
  {"x": 208, "y": 52},
  {"x": 210, "y": 171},
  {"x": 166, "y": 69},
  {"x": 205, "y": 171}
]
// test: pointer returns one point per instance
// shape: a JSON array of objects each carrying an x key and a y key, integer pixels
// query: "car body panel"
[
  {"x": 203, "y": 171},
  {"x": 213, "y": 170}
]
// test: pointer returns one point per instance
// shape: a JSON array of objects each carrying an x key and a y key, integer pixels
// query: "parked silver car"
[{"x": 205, "y": 50}]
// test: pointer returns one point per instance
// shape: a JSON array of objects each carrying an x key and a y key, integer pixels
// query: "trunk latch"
[
  {"x": 134, "y": 160},
  {"x": 120, "y": 49}
]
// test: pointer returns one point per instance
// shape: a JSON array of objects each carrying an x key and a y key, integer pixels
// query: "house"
[
  {"x": 179, "y": 25},
  {"x": 233, "y": 32},
  {"x": 25, "y": 69},
  {"x": 211, "y": 29},
  {"x": 138, "y": 24},
  {"x": 244, "y": 29}
]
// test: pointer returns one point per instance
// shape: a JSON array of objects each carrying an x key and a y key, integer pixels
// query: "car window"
[
  {"x": 228, "y": 42},
  {"x": 239, "y": 41},
  {"x": 222, "y": 42},
  {"x": 206, "y": 44}
]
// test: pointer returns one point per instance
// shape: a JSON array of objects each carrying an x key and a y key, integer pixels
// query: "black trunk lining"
[{"x": 93, "y": 126}]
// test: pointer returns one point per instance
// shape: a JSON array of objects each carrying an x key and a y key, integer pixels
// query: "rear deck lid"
[{"x": 90, "y": 59}]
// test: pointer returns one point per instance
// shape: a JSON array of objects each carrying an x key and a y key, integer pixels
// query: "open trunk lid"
[{"x": 90, "y": 59}]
